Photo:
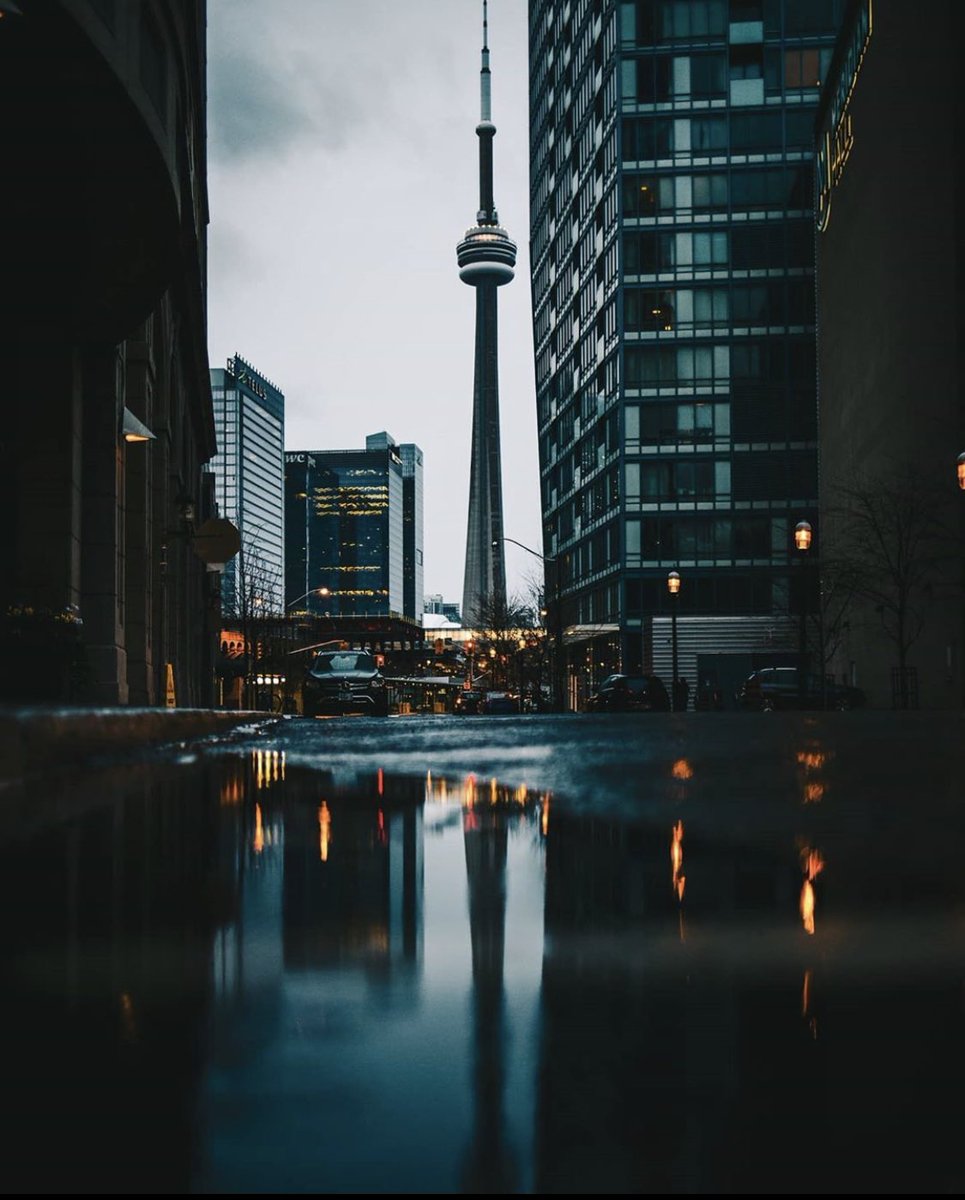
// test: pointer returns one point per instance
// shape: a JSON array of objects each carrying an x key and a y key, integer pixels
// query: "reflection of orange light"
[
  {"x": 324, "y": 831},
  {"x": 682, "y": 769},
  {"x": 381, "y": 784},
  {"x": 232, "y": 791},
  {"x": 806, "y": 994},
  {"x": 470, "y": 790},
  {"x": 381, "y": 823},
  {"x": 811, "y": 758},
  {"x": 813, "y": 792},
  {"x": 493, "y": 792},
  {"x": 545, "y": 814},
  {"x": 258, "y": 841},
  {"x": 128, "y": 1024},
  {"x": 807, "y": 906},
  {"x": 812, "y": 864},
  {"x": 677, "y": 859}
]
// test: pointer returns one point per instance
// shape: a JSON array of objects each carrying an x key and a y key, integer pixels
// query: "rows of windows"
[
  {"x": 655, "y": 366},
  {"x": 661, "y": 78},
  {"x": 650, "y": 22},
  {"x": 739, "y": 189},
  {"x": 676, "y": 479},
  {"x": 722, "y": 593},
  {"x": 684, "y": 536},
  {"x": 764, "y": 302},
  {"x": 652, "y": 138},
  {"x": 768, "y": 245},
  {"x": 687, "y": 423}
]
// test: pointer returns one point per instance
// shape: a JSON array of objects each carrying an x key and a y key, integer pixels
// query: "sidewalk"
[{"x": 33, "y": 740}]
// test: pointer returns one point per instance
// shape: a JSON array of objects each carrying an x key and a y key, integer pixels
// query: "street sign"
[{"x": 216, "y": 541}]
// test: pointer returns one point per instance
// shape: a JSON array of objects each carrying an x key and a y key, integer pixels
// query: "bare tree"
[
  {"x": 889, "y": 549},
  {"x": 499, "y": 624},
  {"x": 249, "y": 601}
]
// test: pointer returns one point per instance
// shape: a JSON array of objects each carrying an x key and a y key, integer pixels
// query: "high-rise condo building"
[
  {"x": 249, "y": 413},
  {"x": 354, "y": 530},
  {"x": 673, "y": 309},
  {"x": 486, "y": 258}
]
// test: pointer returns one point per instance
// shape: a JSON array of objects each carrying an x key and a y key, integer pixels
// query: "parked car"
[
  {"x": 781, "y": 688},
  {"x": 468, "y": 703},
  {"x": 630, "y": 693},
  {"x": 500, "y": 703},
  {"x": 342, "y": 681}
]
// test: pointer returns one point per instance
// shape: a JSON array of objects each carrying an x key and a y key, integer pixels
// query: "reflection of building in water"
[
  {"x": 353, "y": 872},
  {"x": 116, "y": 902},
  {"x": 641, "y": 1041},
  {"x": 327, "y": 870}
]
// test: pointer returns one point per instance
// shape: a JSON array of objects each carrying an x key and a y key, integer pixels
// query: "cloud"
[{"x": 252, "y": 109}]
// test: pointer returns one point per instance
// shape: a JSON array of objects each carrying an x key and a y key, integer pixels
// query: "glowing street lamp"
[
  {"x": 322, "y": 591},
  {"x": 673, "y": 587},
  {"x": 802, "y": 543}
]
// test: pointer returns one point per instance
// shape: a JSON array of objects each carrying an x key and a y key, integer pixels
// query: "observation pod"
[{"x": 487, "y": 254}]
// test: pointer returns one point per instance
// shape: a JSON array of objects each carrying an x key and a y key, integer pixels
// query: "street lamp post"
[
  {"x": 558, "y": 698},
  {"x": 673, "y": 587},
  {"x": 321, "y": 591},
  {"x": 802, "y": 543}
]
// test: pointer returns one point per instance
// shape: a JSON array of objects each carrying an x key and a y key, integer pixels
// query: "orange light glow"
[
  {"x": 258, "y": 841},
  {"x": 812, "y": 864},
  {"x": 678, "y": 879},
  {"x": 380, "y": 820},
  {"x": 807, "y": 906},
  {"x": 381, "y": 783},
  {"x": 812, "y": 759},
  {"x": 232, "y": 791},
  {"x": 813, "y": 792},
  {"x": 682, "y": 769},
  {"x": 545, "y": 815},
  {"x": 324, "y": 831}
]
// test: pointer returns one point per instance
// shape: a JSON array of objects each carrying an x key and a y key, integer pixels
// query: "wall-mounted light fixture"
[{"x": 133, "y": 429}]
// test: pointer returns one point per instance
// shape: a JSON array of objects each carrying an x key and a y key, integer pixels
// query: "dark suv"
[
  {"x": 630, "y": 693},
  {"x": 341, "y": 681},
  {"x": 782, "y": 688}
]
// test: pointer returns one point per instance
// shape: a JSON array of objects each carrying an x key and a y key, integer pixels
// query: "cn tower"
[{"x": 486, "y": 257}]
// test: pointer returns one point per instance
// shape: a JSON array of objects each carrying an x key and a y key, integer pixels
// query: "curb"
[{"x": 40, "y": 739}]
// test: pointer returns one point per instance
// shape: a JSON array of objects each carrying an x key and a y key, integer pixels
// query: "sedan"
[
  {"x": 630, "y": 693},
  {"x": 783, "y": 688}
]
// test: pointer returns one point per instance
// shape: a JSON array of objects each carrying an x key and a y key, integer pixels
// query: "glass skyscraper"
[
  {"x": 249, "y": 413},
  {"x": 353, "y": 517},
  {"x": 673, "y": 307}
]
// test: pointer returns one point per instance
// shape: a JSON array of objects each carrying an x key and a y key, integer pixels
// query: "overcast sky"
[{"x": 342, "y": 171}]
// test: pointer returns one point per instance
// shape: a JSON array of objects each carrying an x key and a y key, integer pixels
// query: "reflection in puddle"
[{"x": 247, "y": 977}]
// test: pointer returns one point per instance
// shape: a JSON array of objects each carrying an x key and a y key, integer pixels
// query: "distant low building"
[{"x": 446, "y": 608}]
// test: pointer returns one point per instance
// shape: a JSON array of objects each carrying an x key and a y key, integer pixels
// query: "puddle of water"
[{"x": 234, "y": 976}]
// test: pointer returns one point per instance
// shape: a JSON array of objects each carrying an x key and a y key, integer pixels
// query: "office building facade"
[
  {"x": 346, "y": 528},
  {"x": 673, "y": 309},
  {"x": 890, "y": 370},
  {"x": 413, "y": 549},
  {"x": 249, "y": 472}
]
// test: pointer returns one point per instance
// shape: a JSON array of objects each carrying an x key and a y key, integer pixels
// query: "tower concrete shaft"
[{"x": 486, "y": 257}]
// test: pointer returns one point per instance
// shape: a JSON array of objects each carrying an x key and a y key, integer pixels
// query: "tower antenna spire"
[{"x": 485, "y": 78}]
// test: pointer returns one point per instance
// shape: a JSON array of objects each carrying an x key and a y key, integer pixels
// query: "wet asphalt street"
[{"x": 695, "y": 953}]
